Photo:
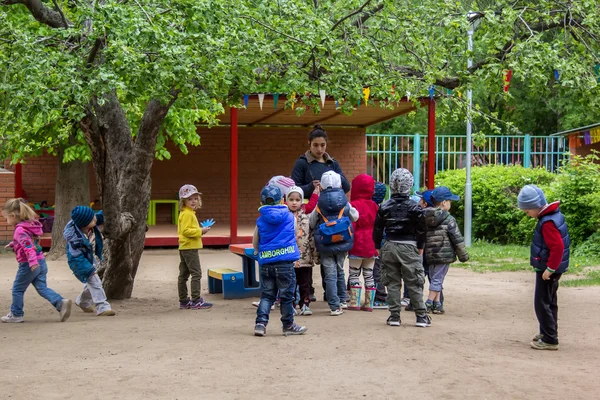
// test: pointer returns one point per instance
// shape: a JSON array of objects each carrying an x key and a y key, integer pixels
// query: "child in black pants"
[{"x": 550, "y": 258}]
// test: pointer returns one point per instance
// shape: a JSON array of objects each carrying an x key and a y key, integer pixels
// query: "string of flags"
[{"x": 507, "y": 75}]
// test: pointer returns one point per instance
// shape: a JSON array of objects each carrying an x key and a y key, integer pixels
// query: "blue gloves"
[{"x": 207, "y": 223}]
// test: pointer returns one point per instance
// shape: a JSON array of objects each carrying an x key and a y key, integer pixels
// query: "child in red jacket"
[{"x": 363, "y": 253}]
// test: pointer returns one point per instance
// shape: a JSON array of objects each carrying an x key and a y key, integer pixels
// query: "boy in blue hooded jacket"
[
  {"x": 84, "y": 253},
  {"x": 275, "y": 244}
]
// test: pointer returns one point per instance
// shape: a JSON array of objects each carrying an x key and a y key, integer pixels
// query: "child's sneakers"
[
  {"x": 200, "y": 304},
  {"x": 343, "y": 305},
  {"x": 405, "y": 302},
  {"x": 429, "y": 306},
  {"x": 65, "y": 310},
  {"x": 336, "y": 312},
  {"x": 380, "y": 305},
  {"x": 438, "y": 308},
  {"x": 393, "y": 320},
  {"x": 541, "y": 345},
  {"x": 260, "y": 330},
  {"x": 537, "y": 337},
  {"x": 107, "y": 313},
  {"x": 312, "y": 298},
  {"x": 11, "y": 319},
  {"x": 89, "y": 309},
  {"x": 423, "y": 321},
  {"x": 183, "y": 305},
  {"x": 293, "y": 330},
  {"x": 305, "y": 310}
]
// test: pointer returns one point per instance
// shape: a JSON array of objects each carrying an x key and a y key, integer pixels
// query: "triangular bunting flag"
[
  {"x": 431, "y": 91},
  {"x": 293, "y": 98},
  {"x": 556, "y": 75},
  {"x": 366, "y": 94},
  {"x": 275, "y": 100},
  {"x": 323, "y": 95},
  {"x": 359, "y": 101},
  {"x": 408, "y": 96},
  {"x": 246, "y": 97},
  {"x": 261, "y": 98},
  {"x": 597, "y": 71}
]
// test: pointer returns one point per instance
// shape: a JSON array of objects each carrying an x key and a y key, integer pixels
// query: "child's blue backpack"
[{"x": 334, "y": 232}]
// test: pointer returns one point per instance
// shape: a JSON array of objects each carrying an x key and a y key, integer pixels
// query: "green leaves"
[{"x": 212, "y": 50}]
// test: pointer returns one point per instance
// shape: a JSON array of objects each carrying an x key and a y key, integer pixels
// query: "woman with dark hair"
[
  {"x": 307, "y": 174},
  {"x": 315, "y": 162}
]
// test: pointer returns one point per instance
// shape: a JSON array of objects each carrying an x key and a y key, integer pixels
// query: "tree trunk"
[
  {"x": 72, "y": 189},
  {"x": 122, "y": 167}
]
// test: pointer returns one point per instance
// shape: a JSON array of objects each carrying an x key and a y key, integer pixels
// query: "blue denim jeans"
[
  {"x": 37, "y": 278},
  {"x": 277, "y": 277},
  {"x": 335, "y": 281}
]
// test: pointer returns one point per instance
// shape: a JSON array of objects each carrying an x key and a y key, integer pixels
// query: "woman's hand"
[{"x": 205, "y": 229}]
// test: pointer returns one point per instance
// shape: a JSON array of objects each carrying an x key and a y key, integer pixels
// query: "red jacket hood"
[
  {"x": 550, "y": 208},
  {"x": 363, "y": 187},
  {"x": 34, "y": 228}
]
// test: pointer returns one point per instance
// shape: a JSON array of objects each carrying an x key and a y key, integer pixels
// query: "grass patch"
[{"x": 486, "y": 257}]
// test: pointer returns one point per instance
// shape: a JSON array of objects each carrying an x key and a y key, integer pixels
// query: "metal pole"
[{"x": 469, "y": 185}]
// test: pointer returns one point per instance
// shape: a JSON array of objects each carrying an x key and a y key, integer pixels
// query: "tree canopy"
[{"x": 205, "y": 54}]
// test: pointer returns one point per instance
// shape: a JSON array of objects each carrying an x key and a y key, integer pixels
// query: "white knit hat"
[
  {"x": 331, "y": 179},
  {"x": 295, "y": 189}
]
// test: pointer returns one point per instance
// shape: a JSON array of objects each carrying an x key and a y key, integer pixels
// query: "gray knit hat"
[
  {"x": 531, "y": 197},
  {"x": 401, "y": 181}
]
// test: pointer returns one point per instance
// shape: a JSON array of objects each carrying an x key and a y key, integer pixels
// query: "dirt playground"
[{"x": 153, "y": 350}]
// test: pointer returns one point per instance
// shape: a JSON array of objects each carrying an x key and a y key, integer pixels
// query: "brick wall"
[
  {"x": 263, "y": 153},
  {"x": 7, "y": 191}
]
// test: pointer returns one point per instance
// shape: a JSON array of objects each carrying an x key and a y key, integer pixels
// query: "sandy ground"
[{"x": 151, "y": 349}]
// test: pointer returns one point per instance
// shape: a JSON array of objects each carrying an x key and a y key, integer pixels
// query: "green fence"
[{"x": 386, "y": 152}]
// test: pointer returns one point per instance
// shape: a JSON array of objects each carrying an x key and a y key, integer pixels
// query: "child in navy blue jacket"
[
  {"x": 84, "y": 257},
  {"x": 550, "y": 252},
  {"x": 275, "y": 244}
]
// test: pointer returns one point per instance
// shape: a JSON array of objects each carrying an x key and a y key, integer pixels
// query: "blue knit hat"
[
  {"x": 531, "y": 197},
  {"x": 99, "y": 218},
  {"x": 270, "y": 195},
  {"x": 82, "y": 216},
  {"x": 380, "y": 192}
]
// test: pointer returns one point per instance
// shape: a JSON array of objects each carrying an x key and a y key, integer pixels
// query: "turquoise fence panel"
[{"x": 386, "y": 152}]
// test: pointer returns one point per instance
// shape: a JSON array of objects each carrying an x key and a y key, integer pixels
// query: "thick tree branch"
[
  {"x": 41, "y": 12},
  {"x": 62, "y": 15},
  {"x": 368, "y": 14},
  {"x": 152, "y": 120},
  {"x": 97, "y": 45},
  {"x": 358, "y": 11}
]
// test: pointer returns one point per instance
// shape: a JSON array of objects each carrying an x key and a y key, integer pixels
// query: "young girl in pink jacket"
[{"x": 32, "y": 264}]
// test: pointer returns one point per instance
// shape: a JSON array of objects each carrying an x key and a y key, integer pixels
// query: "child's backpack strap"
[{"x": 321, "y": 214}]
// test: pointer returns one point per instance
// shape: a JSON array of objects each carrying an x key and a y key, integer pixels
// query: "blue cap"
[
  {"x": 426, "y": 195},
  {"x": 270, "y": 195},
  {"x": 442, "y": 193},
  {"x": 82, "y": 216}
]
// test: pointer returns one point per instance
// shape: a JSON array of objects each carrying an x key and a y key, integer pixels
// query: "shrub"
[
  {"x": 496, "y": 217},
  {"x": 577, "y": 186}
]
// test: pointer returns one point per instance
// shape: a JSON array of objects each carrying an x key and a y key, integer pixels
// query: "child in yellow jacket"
[{"x": 190, "y": 234}]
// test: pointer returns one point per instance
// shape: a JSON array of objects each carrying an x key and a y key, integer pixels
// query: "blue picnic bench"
[{"x": 236, "y": 284}]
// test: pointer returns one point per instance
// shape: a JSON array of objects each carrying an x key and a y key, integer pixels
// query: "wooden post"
[{"x": 233, "y": 189}]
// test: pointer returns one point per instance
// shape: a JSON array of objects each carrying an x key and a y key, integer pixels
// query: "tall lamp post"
[{"x": 474, "y": 20}]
